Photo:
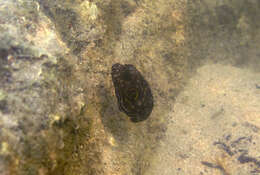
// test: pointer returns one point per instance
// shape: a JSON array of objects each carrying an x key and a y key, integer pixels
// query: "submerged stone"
[{"x": 133, "y": 92}]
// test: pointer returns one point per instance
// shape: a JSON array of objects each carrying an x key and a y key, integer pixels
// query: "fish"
[{"x": 133, "y": 93}]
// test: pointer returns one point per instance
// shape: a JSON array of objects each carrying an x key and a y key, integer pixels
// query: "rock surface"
[{"x": 58, "y": 110}]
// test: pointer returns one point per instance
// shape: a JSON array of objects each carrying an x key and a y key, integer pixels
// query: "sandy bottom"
[{"x": 214, "y": 127}]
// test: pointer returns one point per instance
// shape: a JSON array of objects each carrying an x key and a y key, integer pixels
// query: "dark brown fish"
[{"x": 133, "y": 92}]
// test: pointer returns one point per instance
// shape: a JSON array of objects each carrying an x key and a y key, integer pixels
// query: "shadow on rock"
[{"x": 113, "y": 120}]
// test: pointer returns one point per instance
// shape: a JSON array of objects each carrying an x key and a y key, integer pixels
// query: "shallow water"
[{"x": 58, "y": 109}]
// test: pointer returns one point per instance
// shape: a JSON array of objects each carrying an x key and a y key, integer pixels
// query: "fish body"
[{"x": 133, "y": 92}]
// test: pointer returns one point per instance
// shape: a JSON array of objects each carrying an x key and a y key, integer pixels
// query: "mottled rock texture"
[{"x": 58, "y": 110}]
